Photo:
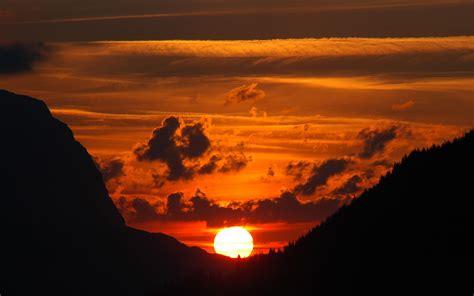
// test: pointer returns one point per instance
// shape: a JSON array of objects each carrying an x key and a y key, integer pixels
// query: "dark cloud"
[
  {"x": 194, "y": 141},
  {"x": 184, "y": 148},
  {"x": 211, "y": 166},
  {"x": 375, "y": 141},
  {"x": 320, "y": 175},
  {"x": 351, "y": 186},
  {"x": 162, "y": 144},
  {"x": 383, "y": 162},
  {"x": 203, "y": 209},
  {"x": 231, "y": 161},
  {"x": 234, "y": 162},
  {"x": 270, "y": 172},
  {"x": 288, "y": 208},
  {"x": 245, "y": 93},
  {"x": 172, "y": 143},
  {"x": 369, "y": 173},
  {"x": 138, "y": 210},
  {"x": 20, "y": 57},
  {"x": 174, "y": 205},
  {"x": 158, "y": 180},
  {"x": 110, "y": 169},
  {"x": 298, "y": 169},
  {"x": 285, "y": 208}
]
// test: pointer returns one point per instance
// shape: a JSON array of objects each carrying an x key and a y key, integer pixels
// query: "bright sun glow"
[{"x": 233, "y": 241}]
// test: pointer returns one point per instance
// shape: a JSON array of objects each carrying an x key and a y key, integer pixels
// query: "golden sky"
[{"x": 271, "y": 134}]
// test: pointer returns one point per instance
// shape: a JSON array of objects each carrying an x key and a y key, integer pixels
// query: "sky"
[{"x": 266, "y": 114}]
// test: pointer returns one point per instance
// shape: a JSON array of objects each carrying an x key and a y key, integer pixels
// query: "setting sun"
[{"x": 233, "y": 242}]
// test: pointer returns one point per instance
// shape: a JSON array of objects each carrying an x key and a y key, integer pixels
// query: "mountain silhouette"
[
  {"x": 61, "y": 233},
  {"x": 411, "y": 234}
]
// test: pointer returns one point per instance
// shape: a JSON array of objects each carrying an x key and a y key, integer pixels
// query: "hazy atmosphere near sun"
[{"x": 205, "y": 114}]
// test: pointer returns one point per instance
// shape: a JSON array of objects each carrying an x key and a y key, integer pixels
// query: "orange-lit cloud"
[
  {"x": 270, "y": 50},
  {"x": 245, "y": 93},
  {"x": 111, "y": 168},
  {"x": 376, "y": 140},
  {"x": 172, "y": 143},
  {"x": 403, "y": 106},
  {"x": 284, "y": 208},
  {"x": 183, "y": 146},
  {"x": 301, "y": 76}
]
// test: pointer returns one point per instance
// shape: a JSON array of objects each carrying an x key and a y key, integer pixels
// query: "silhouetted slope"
[
  {"x": 411, "y": 234},
  {"x": 61, "y": 233}
]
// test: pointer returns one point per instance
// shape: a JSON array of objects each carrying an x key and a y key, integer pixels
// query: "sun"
[{"x": 233, "y": 242}]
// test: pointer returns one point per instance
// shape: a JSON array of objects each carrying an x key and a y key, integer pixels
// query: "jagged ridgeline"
[{"x": 61, "y": 233}]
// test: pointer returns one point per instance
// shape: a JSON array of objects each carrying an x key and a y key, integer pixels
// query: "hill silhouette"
[
  {"x": 411, "y": 234},
  {"x": 61, "y": 233}
]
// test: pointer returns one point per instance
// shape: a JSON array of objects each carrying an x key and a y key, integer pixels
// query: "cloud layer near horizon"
[
  {"x": 285, "y": 208},
  {"x": 315, "y": 183}
]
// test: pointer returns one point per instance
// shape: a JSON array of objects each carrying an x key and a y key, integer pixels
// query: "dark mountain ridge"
[
  {"x": 61, "y": 233},
  {"x": 411, "y": 234}
]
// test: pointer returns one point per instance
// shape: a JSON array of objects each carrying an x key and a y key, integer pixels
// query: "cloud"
[
  {"x": 288, "y": 208},
  {"x": 194, "y": 141},
  {"x": 320, "y": 175},
  {"x": 185, "y": 149},
  {"x": 387, "y": 163},
  {"x": 403, "y": 106},
  {"x": 254, "y": 112},
  {"x": 174, "y": 205},
  {"x": 298, "y": 169},
  {"x": 375, "y": 141},
  {"x": 245, "y": 93},
  {"x": 284, "y": 208},
  {"x": 143, "y": 211},
  {"x": 230, "y": 161},
  {"x": 172, "y": 143},
  {"x": 110, "y": 169},
  {"x": 351, "y": 186},
  {"x": 20, "y": 57},
  {"x": 235, "y": 162},
  {"x": 137, "y": 210},
  {"x": 390, "y": 59},
  {"x": 211, "y": 166},
  {"x": 270, "y": 172}
]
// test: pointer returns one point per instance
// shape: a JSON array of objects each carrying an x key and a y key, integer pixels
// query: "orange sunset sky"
[{"x": 208, "y": 114}]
